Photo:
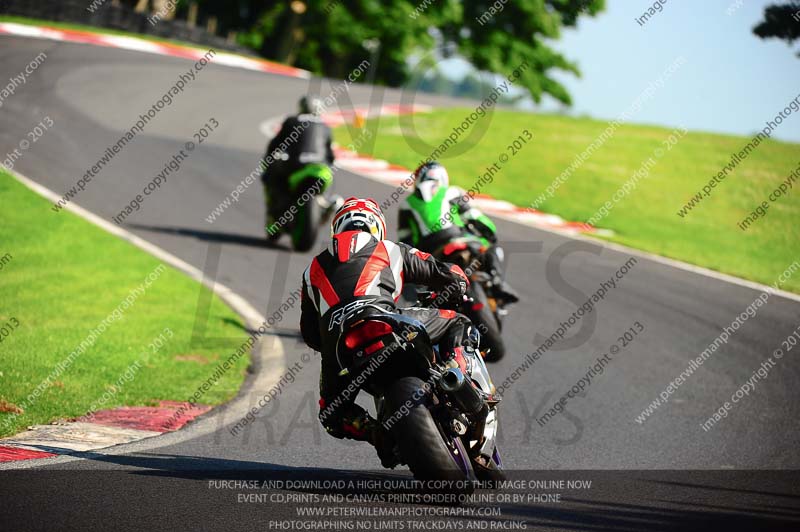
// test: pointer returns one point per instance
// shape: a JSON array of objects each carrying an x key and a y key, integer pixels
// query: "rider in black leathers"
[{"x": 303, "y": 139}]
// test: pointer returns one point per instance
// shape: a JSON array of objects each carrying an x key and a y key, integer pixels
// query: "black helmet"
[{"x": 310, "y": 105}]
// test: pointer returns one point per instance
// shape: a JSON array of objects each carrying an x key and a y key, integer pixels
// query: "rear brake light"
[
  {"x": 374, "y": 347},
  {"x": 452, "y": 247},
  {"x": 477, "y": 306},
  {"x": 365, "y": 333}
]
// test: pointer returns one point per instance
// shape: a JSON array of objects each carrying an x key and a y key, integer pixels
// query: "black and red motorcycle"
[
  {"x": 481, "y": 307},
  {"x": 443, "y": 419}
]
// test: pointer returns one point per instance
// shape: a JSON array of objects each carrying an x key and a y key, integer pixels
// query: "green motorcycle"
[{"x": 307, "y": 207}]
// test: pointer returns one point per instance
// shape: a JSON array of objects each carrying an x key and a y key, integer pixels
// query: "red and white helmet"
[{"x": 357, "y": 214}]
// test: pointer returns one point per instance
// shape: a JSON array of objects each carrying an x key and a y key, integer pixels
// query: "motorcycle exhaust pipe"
[{"x": 466, "y": 396}]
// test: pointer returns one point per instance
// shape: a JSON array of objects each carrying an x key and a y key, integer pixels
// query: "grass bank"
[
  {"x": 647, "y": 216},
  {"x": 68, "y": 287}
]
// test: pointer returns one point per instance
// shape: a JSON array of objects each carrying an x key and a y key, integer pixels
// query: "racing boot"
[
  {"x": 501, "y": 290},
  {"x": 384, "y": 444}
]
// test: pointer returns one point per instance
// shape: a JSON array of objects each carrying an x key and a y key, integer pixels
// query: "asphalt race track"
[{"x": 93, "y": 94}]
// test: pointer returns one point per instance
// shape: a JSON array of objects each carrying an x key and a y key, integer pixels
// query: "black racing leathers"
[
  {"x": 356, "y": 268},
  {"x": 303, "y": 139}
]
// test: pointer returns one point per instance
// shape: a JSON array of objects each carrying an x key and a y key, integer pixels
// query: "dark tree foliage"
[
  {"x": 781, "y": 21},
  {"x": 516, "y": 34},
  {"x": 327, "y": 36}
]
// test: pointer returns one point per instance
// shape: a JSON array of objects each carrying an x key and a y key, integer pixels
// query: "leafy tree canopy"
[
  {"x": 781, "y": 21},
  {"x": 327, "y": 36}
]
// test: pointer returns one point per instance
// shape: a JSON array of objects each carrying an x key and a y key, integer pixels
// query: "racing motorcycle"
[
  {"x": 484, "y": 310},
  {"x": 307, "y": 207},
  {"x": 443, "y": 419}
]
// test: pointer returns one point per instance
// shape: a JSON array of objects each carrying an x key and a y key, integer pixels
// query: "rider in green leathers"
[{"x": 436, "y": 214}]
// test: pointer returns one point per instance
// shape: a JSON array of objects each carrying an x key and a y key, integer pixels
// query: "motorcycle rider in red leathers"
[{"x": 360, "y": 265}]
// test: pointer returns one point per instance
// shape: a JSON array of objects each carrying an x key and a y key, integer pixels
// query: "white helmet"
[
  {"x": 358, "y": 214},
  {"x": 429, "y": 178}
]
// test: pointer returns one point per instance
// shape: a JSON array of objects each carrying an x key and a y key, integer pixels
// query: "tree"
[
  {"x": 327, "y": 36},
  {"x": 781, "y": 21},
  {"x": 500, "y": 40}
]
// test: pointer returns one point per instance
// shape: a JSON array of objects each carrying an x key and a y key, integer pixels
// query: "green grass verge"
[
  {"x": 647, "y": 217},
  {"x": 60, "y": 277},
  {"x": 99, "y": 29}
]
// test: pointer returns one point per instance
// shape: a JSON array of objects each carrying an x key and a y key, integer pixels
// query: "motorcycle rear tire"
[
  {"x": 486, "y": 321},
  {"x": 304, "y": 235},
  {"x": 422, "y": 445}
]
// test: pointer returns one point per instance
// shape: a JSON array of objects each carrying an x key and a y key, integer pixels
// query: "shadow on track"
[
  {"x": 238, "y": 493},
  {"x": 211, "y": 236}
]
